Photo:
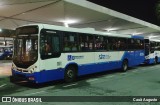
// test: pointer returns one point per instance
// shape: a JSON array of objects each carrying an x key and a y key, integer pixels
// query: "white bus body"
[
  {"x": 94, "y": 52},
  {"x": 152, "y": 51}
]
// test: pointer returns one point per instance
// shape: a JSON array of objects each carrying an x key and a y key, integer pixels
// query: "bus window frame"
[
  {"x": 53, "y": 55},
  {"x": 76, "y": 36}
]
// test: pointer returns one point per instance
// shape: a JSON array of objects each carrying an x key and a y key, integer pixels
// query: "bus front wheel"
[
  {"x": 124, "y": 65},
  {"x": 70, "y": 74}
]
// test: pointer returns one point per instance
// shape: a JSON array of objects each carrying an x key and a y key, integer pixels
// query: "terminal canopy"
[{"x": 72, "y": 13}]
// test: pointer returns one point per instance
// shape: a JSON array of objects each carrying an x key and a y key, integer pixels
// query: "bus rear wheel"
[
  {"x": 70, "y": 74},
  {"x": 124, "y": 66}
]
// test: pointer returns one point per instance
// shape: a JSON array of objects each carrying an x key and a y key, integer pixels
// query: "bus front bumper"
[{"x": 24, "y": 76}]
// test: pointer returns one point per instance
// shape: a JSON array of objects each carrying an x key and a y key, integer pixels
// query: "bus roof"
[{"x": 84, "y": 30}]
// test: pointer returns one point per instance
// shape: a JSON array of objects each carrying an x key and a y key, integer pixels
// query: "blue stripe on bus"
[
  {"x": 57, "y": 74},
  {"x": 137, "y": 37},
  {"x": 42, "y": 76},
  {"x": 98, "y": 67},
  {"x": 151, "y": 60}
]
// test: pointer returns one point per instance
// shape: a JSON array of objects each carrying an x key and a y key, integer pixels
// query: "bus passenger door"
[{"x": 50, "y": 55}]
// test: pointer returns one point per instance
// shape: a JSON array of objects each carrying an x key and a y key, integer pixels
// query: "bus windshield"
[{"x": 25, "y": 47}]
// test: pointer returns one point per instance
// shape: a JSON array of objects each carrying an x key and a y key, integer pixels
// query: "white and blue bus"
[
  {"x": 152, "y": 51},
  {"x": 45, "y": 53}
]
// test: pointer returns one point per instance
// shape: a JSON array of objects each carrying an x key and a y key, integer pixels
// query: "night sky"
[{"x": 141, "y": 9}]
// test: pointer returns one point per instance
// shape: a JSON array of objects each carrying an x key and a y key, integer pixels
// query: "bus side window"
[
  {"x": 131, "y": 44},
  {"x": 122, "y": 44},
  {"x": 70, "y": 42},
  {"x": 55, "y": 44},
  {"x": 50, "y": 44},
  {"x": 47, "y": 47},
  {"x": 74, "y": 47},
  {"x": 86, "y": 42},
  {"x": 99, "y": 43},
  {"x": 112, "y": 43},
  {"x": 66, "y": 47}
]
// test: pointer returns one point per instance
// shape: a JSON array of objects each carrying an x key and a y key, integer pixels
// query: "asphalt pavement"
[{"x": 143, "y": 80}]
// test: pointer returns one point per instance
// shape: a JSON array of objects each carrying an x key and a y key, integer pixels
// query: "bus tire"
[
  {"x": 124, "y": 66},
  {"x": 70, "y": 74}
]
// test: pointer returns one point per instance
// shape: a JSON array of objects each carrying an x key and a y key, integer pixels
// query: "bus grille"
[{"x": 22, "y": 70}]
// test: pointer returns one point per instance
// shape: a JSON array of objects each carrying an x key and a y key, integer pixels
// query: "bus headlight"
[
  {"x": 32, "y": 68},
  {"x": 13, "y": 66},
  {"x": 31, "y": 71}
]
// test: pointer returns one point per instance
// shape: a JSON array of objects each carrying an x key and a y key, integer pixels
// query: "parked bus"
[
  {"x": 6, "y": 52},
  {"x": 45, "y": 53},
  {"x": 152, "y": 51}
]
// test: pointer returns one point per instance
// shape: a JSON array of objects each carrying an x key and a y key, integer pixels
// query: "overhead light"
[
  {"x": 111, "y": 29},
  {"x": 66, "y": 25},
  {"x": 150, "y": 37},
  {"x": 67, "y": 22},
  {"x": 0, "y": 30},
  {"x": 23, "y": 13},
  {"x": 137, "y": 33}
]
